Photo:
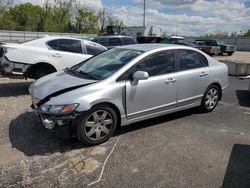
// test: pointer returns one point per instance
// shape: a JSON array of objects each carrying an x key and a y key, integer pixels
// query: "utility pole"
[{"x": 144, "y": 13}]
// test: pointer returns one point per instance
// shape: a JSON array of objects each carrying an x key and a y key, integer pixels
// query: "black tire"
[
  {"x": 208, "y": 103},
  {"x": 229, "y": 53},
  {"x": 41, "y": 72},
  {"x": 83, "y": 129}
]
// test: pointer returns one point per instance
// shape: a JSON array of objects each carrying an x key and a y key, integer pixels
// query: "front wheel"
[
  {"x": 210, "y": 98},
  {"x": 97, "y": 125},
  {"x": 229, "y": 53}
]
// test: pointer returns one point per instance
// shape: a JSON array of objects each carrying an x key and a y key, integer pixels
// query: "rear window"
[{"x": 93, "y": 49}]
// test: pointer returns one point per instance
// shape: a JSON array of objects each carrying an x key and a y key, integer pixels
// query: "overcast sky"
[{"x": 187, "y": 17}]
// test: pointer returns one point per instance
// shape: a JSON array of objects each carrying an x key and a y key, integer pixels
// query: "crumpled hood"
[{"x": 56, "y": 82}]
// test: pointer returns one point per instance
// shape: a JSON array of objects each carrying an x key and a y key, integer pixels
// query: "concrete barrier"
[{"x": 237, "y": 68}]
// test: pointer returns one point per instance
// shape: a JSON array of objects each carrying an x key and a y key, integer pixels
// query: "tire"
[
  {"x": 41, "y": 72},
  {"x": 229, "y": 53},
  {"x": 96, "y": 131},
  {"x": 210, "y": 99}
]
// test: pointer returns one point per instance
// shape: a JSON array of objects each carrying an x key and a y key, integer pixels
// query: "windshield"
[{"x": 107, "y": 63}]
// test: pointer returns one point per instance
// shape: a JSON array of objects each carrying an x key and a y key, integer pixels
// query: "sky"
[{"x": 182, "y": 17}]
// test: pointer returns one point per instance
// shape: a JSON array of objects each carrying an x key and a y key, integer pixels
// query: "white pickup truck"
[{"x": 43, "y": 56}]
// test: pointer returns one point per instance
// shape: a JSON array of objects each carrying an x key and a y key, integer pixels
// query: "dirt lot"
[{"x": 185, "y": 149}]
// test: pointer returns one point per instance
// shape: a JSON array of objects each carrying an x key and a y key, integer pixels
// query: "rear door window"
[
  {"x": 189, "y": 59},
  {"x": 69, "y": 45}
]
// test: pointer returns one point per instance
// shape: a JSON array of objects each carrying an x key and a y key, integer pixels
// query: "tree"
[
  {"x": 102, "y": 15},
  {"x": 55, "y": 16},
  {"x": 217, "y": 34},
  {"x": 247, "y": 34},
  {"x": 22, "y": 17},
  {"x": 87, "y": 20}
]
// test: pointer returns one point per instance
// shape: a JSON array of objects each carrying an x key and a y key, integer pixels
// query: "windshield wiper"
[
  {"x": 86, "y": 74},
  {"x": 81, "y": 73}
]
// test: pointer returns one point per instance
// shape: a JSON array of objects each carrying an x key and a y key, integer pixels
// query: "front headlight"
[{"x": 58, "y": 109}]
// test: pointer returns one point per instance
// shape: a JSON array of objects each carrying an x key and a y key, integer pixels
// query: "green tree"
[
  {"x": 87, "y": 20},
  {"x": 247, "y": 34},
  {"x": 217, "y": 34},
  {"x": 23, "y": 17}
]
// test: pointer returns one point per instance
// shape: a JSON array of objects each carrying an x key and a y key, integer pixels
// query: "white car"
[{"x": 37, "y": 58}]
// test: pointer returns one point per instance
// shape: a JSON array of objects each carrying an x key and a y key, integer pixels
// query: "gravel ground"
[
  {"x": 238, "y": 56},
  {"x": 184, "y": 149}
]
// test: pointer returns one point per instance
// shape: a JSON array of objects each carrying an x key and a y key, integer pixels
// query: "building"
[{"x": 139, "y": 31}]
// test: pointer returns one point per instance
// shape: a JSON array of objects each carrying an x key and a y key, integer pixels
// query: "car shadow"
[
  {"x": 14, "y": 89},
  {"x": 157, "y": 120},
  {"x": 27, "y": 134},
  {"x": 243, "y": 97},
  {"x": 238, "y": 168}
]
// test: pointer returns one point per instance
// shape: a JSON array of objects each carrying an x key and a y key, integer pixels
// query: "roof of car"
[
  {"x": 62, "y": 37},
  {"x": 149, "y": 47}
]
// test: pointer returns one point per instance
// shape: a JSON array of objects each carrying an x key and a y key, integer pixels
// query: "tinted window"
[
  {"x": 114, "y": 42},
  {"x": 102, "y": 41},
  {"x": 158, "y": 63},
  {"x": 128, "y": 41},
  {"x": 189, "y": 59},
  {"x": 93, "y": 49},
  {"x": 53, "y": 44},
  {"x": 69, "y": 45},
  {"x": 211, "y": 43}
]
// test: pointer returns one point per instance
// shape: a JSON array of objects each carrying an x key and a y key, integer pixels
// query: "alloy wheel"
[
  {"x": 212, "y": 98},
  {"x": 98, "y": 125}
]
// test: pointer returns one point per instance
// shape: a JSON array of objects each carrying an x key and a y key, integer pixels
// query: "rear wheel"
[
  {"x": 97, "y": 125},
  {"x": 210, "y": 98},
  {"x": 229, "y": 53},
  {"x": 41, "y": 72}
]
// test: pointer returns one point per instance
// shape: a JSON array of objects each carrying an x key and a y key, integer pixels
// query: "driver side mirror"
[{"x": 139, "y": 75}]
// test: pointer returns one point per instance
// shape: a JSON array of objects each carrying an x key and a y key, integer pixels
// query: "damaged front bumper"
[
  {"x": 12, "y": 69},
  {"x": 51, "y": 121}
]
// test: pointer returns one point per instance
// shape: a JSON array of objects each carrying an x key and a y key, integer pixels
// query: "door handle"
[
  {"x": 170, "y": 81},
  {"x": 203, "y": 74},
  {"x": 56, "y": 55}
]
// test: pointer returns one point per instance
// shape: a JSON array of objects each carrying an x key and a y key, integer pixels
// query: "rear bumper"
[{"x": 9, "y": 68}]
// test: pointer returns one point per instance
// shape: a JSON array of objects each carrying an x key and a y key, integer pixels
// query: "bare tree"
[{"x": 102, "y": 15}]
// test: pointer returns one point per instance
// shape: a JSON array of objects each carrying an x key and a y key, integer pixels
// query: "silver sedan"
[{"x": 126, "y": 85}]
